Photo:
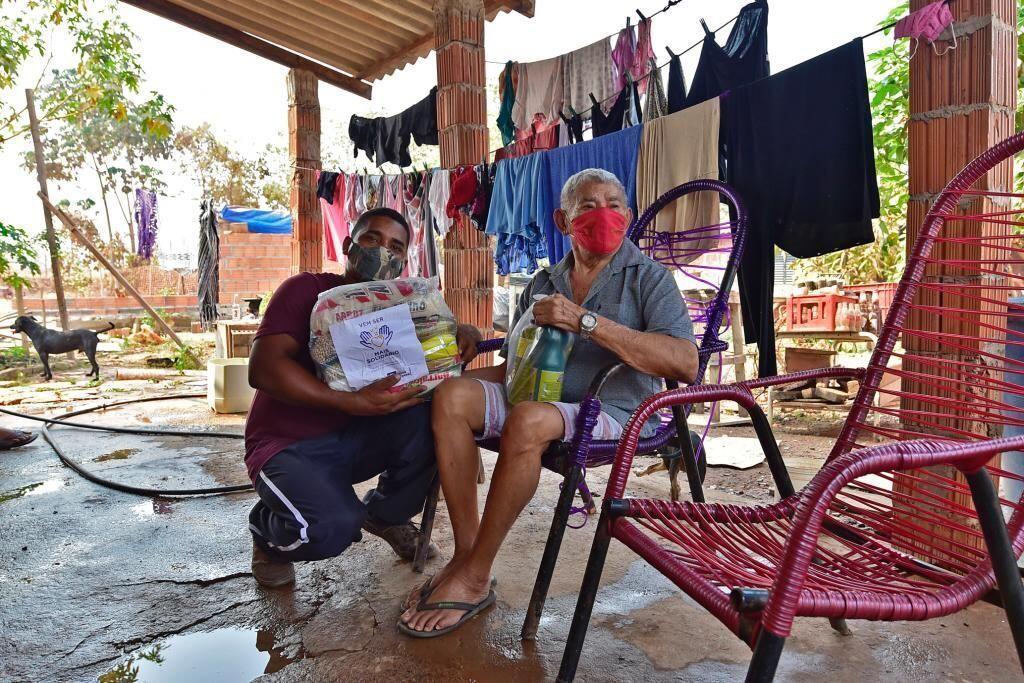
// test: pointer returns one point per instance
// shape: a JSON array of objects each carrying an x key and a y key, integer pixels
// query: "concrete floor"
[{"x": 101, "y": 585}]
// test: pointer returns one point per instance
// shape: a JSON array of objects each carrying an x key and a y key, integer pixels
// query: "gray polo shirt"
[{"x": 633, "y": 291}]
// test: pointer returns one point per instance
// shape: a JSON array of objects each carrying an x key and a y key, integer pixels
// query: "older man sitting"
[{"x": 624, "y": 307}]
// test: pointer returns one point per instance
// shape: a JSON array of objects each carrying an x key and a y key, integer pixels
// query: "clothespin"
[
  {"x": 641, "y": 15},
  {"x": 707, "y": 31},
  {"x": 670, "y": 53},
  {"x": 573, "y": 111},
  {"x": 629, "y": 21},
  {"x": 593, "y": 99}
]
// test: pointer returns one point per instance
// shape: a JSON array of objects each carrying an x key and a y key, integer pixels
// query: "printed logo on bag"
[
  {"x": 375, "y": 340},
  {"x": 359, "y": 295}
]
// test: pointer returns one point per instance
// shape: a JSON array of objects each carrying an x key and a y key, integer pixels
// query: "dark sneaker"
[
  {"x": 271, "y": 572},
  {"x": 401, "y": 538}
]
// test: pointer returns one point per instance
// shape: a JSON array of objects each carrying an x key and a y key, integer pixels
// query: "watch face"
[{"x": 588, "y": 321}]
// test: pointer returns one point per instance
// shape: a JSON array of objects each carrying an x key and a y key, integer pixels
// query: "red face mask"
[{"x": 599, "y": 231}]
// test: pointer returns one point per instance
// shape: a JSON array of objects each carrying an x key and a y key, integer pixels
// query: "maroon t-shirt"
[{"x": 274, "y": 425}]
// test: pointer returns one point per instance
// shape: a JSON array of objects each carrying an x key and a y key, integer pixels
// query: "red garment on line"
[
  {"x": 335, "y": 219},
  {"x": 539, "y": 141}
]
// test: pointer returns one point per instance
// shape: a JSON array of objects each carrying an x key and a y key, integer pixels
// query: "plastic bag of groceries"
[
  {"x": 537, "y": 359},
  {"x": 434, "y": 324}
]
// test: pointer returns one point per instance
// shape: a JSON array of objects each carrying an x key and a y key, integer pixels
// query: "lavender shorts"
[{"x": 497, "y": 407}]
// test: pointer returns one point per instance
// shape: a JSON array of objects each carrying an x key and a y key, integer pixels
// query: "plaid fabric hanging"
[{"x": 209, "y": 265}]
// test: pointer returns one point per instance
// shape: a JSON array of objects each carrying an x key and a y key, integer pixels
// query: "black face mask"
[{"x": 374, "y": 263}]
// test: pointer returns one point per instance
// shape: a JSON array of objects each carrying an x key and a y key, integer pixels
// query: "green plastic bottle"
[{"x": 541, "y": 373}]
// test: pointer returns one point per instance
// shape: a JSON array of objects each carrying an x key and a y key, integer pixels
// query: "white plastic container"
[{"x": 227, "y": 385}]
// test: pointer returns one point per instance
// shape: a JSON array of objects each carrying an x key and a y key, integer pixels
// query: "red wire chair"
[
  {"x": 707, "y": 258},
  {"x": 904, "y": 521}
]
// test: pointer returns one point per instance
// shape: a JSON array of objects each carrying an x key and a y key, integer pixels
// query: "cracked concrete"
[{"x": 94, "y": 581}]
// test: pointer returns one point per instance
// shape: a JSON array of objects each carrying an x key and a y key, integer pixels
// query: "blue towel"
[
  {"x": 514, "y": 217},
  {"x": 614, "y": 152}
]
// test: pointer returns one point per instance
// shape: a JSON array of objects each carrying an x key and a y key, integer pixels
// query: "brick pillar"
[
  {"x": 961, "y": 103},
  {"x": 462, "y": 120},
  {"x": 303, "y": 155}
]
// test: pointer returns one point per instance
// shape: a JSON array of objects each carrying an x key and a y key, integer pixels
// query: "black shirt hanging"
[
  {"x": 800, "y": 152},
  {"x": 387, "y": 138},
  {"x": 743, "y": 59},
  {"x": 676, "y": 85},
  {"x": 615, "y": 119}
]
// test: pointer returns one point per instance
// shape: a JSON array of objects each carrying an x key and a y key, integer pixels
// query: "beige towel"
[
  {"x": 676, "y": 149},
  {"x": 539, "y": 94}
]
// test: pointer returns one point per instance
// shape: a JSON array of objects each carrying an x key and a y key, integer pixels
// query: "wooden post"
[
  {"x": 304, "y": 157},
  {"x": 462, "y": 123},
  {"x": 69, "y": 224},
  {"x": 51, "y": 238},
  {"x": 738, "y": 349},
  {"x": 961, "y": 103},
  {"x": 19, "y": 305}
]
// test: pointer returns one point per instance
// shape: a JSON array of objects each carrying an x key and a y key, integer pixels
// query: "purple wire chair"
[{"x": 677, "y": 251}]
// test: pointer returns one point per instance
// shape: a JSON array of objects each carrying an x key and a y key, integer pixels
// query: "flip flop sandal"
[
  {"x": 424, "y": 591},
  {"x": 471, "y": 610},
  {"x": 25, "y": 438},
  {"x": 427, "y": 586}
]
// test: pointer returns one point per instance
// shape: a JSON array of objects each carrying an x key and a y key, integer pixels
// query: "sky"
[{"x": 243, "y": 96}]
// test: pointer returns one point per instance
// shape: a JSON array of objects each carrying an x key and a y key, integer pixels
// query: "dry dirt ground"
[{"x": 96, "y": 584}]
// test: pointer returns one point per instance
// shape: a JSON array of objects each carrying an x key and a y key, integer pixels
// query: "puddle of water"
[
  {"x": 119, "y": 454},
  {"x": 222, "y": 656},
  {"x": 643, "y": 585},
  {"x": 48, "y": 486},
  {"x": 19, "y": 492},
  {"x": 154, "y": 506}
]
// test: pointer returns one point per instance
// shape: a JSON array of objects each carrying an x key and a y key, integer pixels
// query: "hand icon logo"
[{"x": 376, "y": 340}]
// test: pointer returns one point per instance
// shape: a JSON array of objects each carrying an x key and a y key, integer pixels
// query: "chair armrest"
[
  {"x": 803, "y": 376},
  {"x": 704, "y": 393},
  {"x": 819, "y": 494},
  {"x": 597, "y": 384},
  {"x": 490, "y": 345}
]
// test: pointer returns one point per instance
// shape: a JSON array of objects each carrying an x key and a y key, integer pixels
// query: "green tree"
[
  {"x": 105, "y": 71},
  {"x": 18, "y": 257},
  {"x": 120, "y": 151},
  {"x": 228, "y": 176}
]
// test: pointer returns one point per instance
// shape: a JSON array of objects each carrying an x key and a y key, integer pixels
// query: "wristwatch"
[{"x": 588, "y": 323}]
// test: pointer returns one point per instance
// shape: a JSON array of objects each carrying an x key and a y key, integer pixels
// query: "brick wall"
[
  {"x": 251, "y": 264},
  {"x": 112, "y": 306}
]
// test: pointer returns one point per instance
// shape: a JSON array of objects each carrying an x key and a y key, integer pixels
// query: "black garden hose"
[{"x": 125, "y": 488}]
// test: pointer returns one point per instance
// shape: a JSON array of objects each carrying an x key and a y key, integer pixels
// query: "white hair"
[{"x": 569, "y": 199}]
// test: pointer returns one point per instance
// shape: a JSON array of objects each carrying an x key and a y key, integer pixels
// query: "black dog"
[{"x": 51, "y": 341}]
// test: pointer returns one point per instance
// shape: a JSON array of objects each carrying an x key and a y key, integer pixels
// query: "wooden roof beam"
[
  {"x": 294, "y": 33},
  {"x": 398, "y": 59},
  {"x": 418, "y": 22},
  {"x": 250, "y": 43}
]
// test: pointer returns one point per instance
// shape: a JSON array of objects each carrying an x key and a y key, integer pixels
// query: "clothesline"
[
  {"x": 647, "y": 74},
  {"x": 670, "y": 5},
  {"x": 688, "y": 49}
]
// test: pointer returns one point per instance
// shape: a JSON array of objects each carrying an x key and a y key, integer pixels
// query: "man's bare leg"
[
  {"x": 457, "y": 414},
  {"x": 529, "y": 429}
]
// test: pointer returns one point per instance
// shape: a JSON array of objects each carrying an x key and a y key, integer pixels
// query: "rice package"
[{"x": 400, "y": 327}]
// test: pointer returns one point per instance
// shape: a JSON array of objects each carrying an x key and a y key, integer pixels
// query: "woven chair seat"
[{"x": 716, "y": 548}]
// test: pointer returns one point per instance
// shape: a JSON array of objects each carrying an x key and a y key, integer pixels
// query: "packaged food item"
[
  {"x": 434, "y": 324},
  {"x": 538, "y": 356}
]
